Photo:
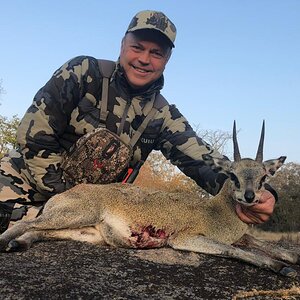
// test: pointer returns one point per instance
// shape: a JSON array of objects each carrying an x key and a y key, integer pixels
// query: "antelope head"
[{"x": 248, "y": 175}]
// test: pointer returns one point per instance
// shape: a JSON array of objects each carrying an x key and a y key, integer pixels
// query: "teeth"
[{"x": 140, "y": 70}]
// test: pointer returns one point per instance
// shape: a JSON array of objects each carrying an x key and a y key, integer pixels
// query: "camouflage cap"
[{"x": 149, "y": 19}]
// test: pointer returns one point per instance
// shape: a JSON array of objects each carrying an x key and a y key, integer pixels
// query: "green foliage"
[{"x": 8, "y": 130}]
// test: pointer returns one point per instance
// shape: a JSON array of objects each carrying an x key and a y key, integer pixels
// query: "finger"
[
  {"x": 259, "y": 208},
  {"x": 257, "y": 217},
  {"x": 250, "y": 217},
  {"x": 265, "y": 205},
  {"x": 245, "y": 217},
  {"x": 266, "y": 197}
]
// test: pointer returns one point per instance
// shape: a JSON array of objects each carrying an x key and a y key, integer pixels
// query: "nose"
[
  {"x": 144, "y": 58},
  {"x": 249, "y": 196}
]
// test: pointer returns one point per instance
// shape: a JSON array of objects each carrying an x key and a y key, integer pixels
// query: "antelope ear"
[{"x": 273, "y": 165}]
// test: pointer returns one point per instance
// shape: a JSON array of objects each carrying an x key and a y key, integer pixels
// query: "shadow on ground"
[{"x": 73, "y": 270}]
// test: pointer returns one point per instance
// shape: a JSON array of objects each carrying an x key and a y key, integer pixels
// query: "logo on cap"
[{"x": 156, "y": 20}]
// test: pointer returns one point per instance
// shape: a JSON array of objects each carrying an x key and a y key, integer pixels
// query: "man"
[{"x": 69, "y": 106}]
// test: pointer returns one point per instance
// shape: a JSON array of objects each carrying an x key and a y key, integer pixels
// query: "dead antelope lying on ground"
[{"x": 123, "y": 215}]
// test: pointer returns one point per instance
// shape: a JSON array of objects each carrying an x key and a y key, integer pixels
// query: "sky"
[{"x": 233, "y": 59}]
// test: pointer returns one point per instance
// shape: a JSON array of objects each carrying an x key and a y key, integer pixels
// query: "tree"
[
  {"x": 8, "y": 130},
  {"x": 218, "y": 139}
]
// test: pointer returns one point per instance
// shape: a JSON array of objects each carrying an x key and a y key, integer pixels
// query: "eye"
[
  {"x": 136, "y": 47},
  {"x": 235, "y": 180},
  {"x": 157, "y": 54},
  {"x": 262, "y": 181}
]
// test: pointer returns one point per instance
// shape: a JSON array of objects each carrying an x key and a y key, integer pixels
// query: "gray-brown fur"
[{"x": 123, "y": 215}]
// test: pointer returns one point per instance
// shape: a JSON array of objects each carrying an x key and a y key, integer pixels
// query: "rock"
[{"x": 74, "y": 270}]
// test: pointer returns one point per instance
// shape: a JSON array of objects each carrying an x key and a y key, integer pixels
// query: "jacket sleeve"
[
  {"x": 194, "y": 157},
  {"x": 271, "y": 190},
  {"x": 45, "y": 121}
]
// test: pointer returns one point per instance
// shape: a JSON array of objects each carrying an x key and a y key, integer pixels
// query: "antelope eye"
[
  {"x": 262, "y": 181},
  {"x": 235, "y": 180}
]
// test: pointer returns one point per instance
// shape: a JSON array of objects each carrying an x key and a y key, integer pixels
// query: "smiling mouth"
[{"x": 140, "y": 70}]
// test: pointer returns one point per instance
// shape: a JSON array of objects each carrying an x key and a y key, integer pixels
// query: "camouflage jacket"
[{"x": 68, "y": 106}]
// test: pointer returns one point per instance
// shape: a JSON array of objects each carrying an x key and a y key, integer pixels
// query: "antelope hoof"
[
  {"x": 15, "y": 245},
  {"x": 288, "y": 271}
]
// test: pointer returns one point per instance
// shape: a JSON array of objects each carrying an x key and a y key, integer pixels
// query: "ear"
[
  {"x": 273, "y": 165},
  {"x": 169, "y": 54},
  {"x": 122, "y": 42}
]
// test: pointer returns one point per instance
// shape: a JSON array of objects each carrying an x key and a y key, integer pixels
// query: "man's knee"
[
  {"x": 12, "y": 186},
  {"x": 18, "y": 200}
]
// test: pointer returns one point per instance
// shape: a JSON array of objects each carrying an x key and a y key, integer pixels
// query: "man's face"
[{"x": 143, "y": 59}]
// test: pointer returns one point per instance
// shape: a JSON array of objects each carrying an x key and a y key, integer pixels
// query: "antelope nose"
[{"x": 249, "y": 196}]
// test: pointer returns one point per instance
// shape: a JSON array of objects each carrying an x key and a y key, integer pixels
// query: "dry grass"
[{"x": 291, "y": 293}]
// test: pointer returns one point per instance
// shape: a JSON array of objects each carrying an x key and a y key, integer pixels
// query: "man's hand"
[{"x": 258, "y": 213}]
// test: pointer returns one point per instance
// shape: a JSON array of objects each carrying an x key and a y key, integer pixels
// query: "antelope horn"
[
  {"x": 236, "y": 151},
  {"x": 259, "y": 154}
]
